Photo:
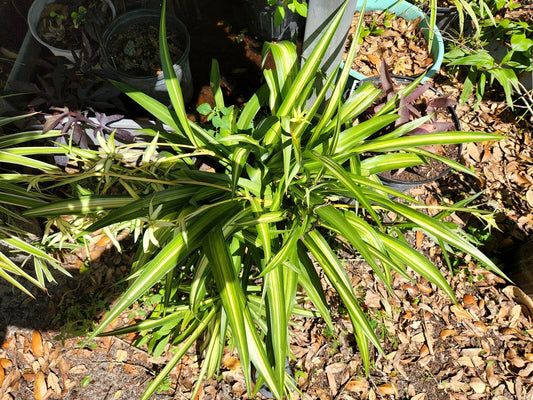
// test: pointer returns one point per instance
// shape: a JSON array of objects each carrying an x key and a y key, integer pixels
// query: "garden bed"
[{"x": 434, "y": 350}]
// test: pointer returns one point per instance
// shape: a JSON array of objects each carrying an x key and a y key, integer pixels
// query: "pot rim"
[
  {"x": 34, "y": 20},
  {"x": 143, "y": 15}
]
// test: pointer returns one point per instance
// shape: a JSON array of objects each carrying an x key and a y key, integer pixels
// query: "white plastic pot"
[{"x": 34, "y": 17}]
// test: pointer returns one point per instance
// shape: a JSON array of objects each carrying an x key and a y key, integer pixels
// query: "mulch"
[{"x": 480, "y": 348}]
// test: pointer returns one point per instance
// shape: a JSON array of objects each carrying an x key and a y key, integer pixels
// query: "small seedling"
[
  {"x": 78, "y": 17},
  {"x": 85, "y": 382}
]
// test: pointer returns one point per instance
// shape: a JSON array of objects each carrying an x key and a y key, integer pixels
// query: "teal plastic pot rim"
[
  {"x": 146, "y": 16},
  {"x": 406, "y": 10}
]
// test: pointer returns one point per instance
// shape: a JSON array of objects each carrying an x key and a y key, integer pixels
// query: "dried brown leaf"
[
  {"x": 424, "y": 351},
  {"x": 526, "y": 372},
  {"x": 389, "y": 389},
  {"x": 419, "y": 239},
  {"x": 447, "y": 332},
  {"x": 480, "y": 328},
  {"x": 37, "y": 344},
  {"x": 492, "y": 379},
  {"x": 465, "y": 362},
  {"x": 460, "y": 312},
  {"x": 486, "y": 347},
  {"x": 78, "y": 369},
  {"x": 232, "y": 363},
  {"x": 529, "y": 197},
  {"x": 357, "y": 385},
  {"x": 424, "y": 288},
  {"x": 53, "y": 383},
  {"x": 516, "y": 294},
  {"x": 469, "y": 300},
  {"x": 39, "y": 386},
  {"x": 121, "y": 356},
  {"x": 478, "y": 385}
]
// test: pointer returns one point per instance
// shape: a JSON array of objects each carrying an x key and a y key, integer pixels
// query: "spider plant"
[
  {"x": 16, "y": 241},
  {"x": 237, "y": 221}
]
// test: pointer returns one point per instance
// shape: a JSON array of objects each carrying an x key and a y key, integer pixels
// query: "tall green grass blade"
[{"x": 8, "y": 120}]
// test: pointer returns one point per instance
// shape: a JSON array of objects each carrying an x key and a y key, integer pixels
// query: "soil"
[
  {"x": 397, "y": 40},
  {"x": 135, "y": 51},
  {"x": 62, "y": 22},
  {"x": 479, "y": 349}
]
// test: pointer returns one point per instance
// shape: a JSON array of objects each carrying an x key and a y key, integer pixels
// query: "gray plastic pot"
[
  {"x": 34, "y": 18},
  {"x": 152, "y": 85},
  {"x": 260, "y": 17}
]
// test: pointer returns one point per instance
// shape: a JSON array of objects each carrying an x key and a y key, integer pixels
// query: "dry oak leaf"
[
  {"x": 460, "y": 312},
  {"x": 356, "y": 385},
  {"x": 424, "y": 351},
  {"x": 53, "y": 383},
  {"x": 478, "y": 385},
  {"x": 5, "y": 363},
  {"x": 232, "y": 363},
  {"x": 2, "y": 375},
  {"x": 78, "y": 369},
  {"x": 447, "y": 332},
  {"x": 37, "y": 344},
  {"x": 469, "y": 300},
  {"x": 39, "y": 386},
  {"x": 516, "y": 294},
  {"x": 388, "y": 388},
  {"x": 529, "y": 197}
]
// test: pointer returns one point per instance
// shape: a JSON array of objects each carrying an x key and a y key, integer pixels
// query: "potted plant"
[
  {"x": 500, "y": 54},
  {"x": 413, "y": 23},
  {"x": 61, "y": 25},
  {"x": 276, "y": 19},
  {"x": 131, "y": 44},
  {"x": 415, "y": 102},
  {"x": 233, "y": 218}
]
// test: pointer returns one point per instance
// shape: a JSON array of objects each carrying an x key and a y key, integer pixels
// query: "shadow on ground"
[{"x": 70, "y": 306}]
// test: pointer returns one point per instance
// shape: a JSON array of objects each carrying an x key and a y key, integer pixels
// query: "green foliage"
[
  {"x": 498, "y": 51},
  {"x": 294, "y": 6},
  {"x": 237, "y": 248}
]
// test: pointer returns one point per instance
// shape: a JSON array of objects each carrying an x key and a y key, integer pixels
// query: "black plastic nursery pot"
[
  {"x": 260, "y": 17},
  {"x": 154, "y": 84},
  {"x": 405, "y": 185}
]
